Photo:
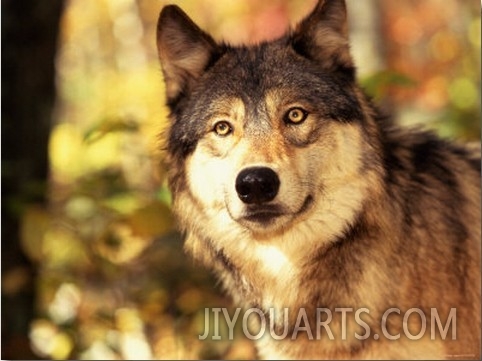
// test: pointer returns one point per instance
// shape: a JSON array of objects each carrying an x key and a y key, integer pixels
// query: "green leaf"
[
  {"x": 375, "y": 85},
  {"x": 105, "y": 127}
]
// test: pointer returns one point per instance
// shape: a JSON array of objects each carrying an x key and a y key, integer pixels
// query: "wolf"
[{"x": 300, "y": 195}]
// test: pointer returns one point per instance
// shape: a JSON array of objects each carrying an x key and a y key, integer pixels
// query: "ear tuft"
[
  {"x": 184, "y": 50},
  {"x": 323, "y": 36}
]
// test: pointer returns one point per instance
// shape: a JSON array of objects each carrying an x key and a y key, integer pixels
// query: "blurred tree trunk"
[
  {"x": 29, "y": 43},
  {"x": 366, "y": 37}
]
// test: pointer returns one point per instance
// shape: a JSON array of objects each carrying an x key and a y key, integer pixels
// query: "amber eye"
[
  {"x": 223, "y": 128},
  {"x": 296, "y": 115}
]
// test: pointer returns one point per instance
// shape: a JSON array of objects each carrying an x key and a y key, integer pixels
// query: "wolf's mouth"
[
  {"x": 262, "y": 216},
  {"x": 265, "y": 214}
]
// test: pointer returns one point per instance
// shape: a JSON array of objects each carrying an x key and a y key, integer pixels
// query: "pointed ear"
[
  {"x": 323, "y": 36},
  {"x": 184, "y": 50}
]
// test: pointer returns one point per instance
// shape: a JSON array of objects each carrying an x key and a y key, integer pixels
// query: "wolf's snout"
[{"x": 257, "y": 185}]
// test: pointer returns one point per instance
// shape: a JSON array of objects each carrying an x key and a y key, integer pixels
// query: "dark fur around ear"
[
  {"x": 184, "y": 50},
  {"x": 323, "y": 37}
]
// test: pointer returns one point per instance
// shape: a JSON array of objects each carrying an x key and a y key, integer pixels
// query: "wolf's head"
[{"x": 262, "y": 137}]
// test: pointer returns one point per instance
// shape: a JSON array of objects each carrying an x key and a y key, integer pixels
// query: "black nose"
[{"x": 257, "y": 185}]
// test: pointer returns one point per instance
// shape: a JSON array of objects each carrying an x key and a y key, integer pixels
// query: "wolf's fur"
[{"x": 366, "y": 215}]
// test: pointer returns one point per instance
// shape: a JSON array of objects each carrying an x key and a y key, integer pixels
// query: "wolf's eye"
[
  {"x": 295, "y": 115},
  {"x": 222, "y": 128}
]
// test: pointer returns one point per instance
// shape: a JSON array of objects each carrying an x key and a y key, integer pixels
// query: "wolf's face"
[
  {"x": 288, "y": 185},
  {"x": 266, "y": 134}
]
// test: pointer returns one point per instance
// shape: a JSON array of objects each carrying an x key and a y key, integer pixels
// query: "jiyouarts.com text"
[{"x": 437, "y": 326}]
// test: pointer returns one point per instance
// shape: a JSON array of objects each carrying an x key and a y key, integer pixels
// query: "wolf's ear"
[
  {"x": 184, "y": 50},
  {"x": 323, "y": 36}
]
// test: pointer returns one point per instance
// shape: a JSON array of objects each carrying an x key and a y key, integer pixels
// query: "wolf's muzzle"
[{"x": 257, "y": 185}]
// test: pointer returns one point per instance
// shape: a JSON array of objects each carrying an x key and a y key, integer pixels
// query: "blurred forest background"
[{"x": 92, "y": 267}]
